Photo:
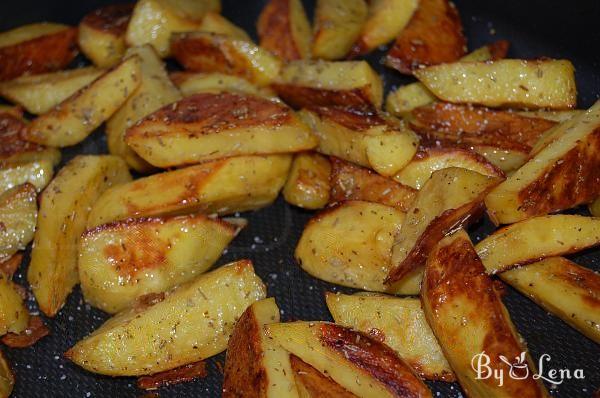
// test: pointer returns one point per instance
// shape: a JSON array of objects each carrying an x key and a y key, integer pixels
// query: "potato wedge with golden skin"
[
  {"x": 190, "y": 83},
  {"x": 223, "y": 186},
  {"x": 79, "y": 115},
  {"x": 563, "y": 288},
  {"x": 509, "y": 82},
  {"x": 308, "y": 185},
  {"x": 7, "y": 378},
  {"x": 18, "y": 215},
  {"x": 202, "y": 312},
  {"x": 102, "y": 34},
  {"x": 284, "y": 30},
  {"x": 313, "y": 384},
  {"x": 64, "y": 208},
  {"x": 352, "y": 182},
  {"x": 450, "y": 199},
  {"x": 39, "y": 173},
  {"x": 255, "y": 366},
  {"x": 14, "y": 316},
  {"x": 213, "y": 53},
  {"x": 207, "y": 126},
  {"x": 399, "y": 323},
  {"x": 468, "y": 318},
  {"x": 36, "y": 48},
  {"x": 214, "y": 22},
  {"x": 361, "y": 365}
]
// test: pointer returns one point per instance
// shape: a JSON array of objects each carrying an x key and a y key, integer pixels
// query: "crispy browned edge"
[
  {"x": 424, "y": 152},
  {"x": 498, "y": 49},
  {"x": 12, "y": 141},
  {"x": 274, "y": 29},
  {"x": 112, "y": 19},
  {"x": 182, "y": 374},
  {"x": 10, "y": 266},
  {"x": 316, "y": 383},
  {"x": 35, "y": 331},
  {"x": 308, "y": 97}
]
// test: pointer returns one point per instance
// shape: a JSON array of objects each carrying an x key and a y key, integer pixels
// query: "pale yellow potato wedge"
[
  {"x": 7, "y": 378},
  {"x": 38, "y": 173},
  {"x": 74, "y": 119},
  {"x": 595, "y": 208},
  {"x": 399, "y": 323},
  {"x": 214, "y": 22},
  {"x": 40, "y": 93},
  {"x": 18, "y": 215},
  {"x": 308, "y": 185},
  {"x": 510, "y": 82},
  {"x": 64, "y": 208},
  {"x": 507, "y": 160},
  {"x": 14, "y": 316},
  {"x": 194, "y": 83},
  {"x": 223, "y": 186},
  {"x": 192, "y": 323},
  {"x": 337, "y": 26},
  {"x": 255, "y": 366}
]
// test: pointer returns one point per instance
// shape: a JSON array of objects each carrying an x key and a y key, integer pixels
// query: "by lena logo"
[{"x": 518, "y": 369}]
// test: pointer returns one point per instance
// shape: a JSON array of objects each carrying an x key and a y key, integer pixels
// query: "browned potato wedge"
[
  {"x": 361, "y": 365},
  {"x": 64, "y": 208},
  {"x": 255, "y": 366},
  {"x": 36, "y": 48},
  {"x": 536, "y": 238},
  {"x": 209, "y": 53},
  {"x": 338, "y": 24},
  {"x": 313, "y": 384},
  {"x": 18, "y": 215},
  {"x": 214, "y": 22},
  {"x": 565, "y": 174},
  {"x": 284, "y": 30},
  {"x": 190, "y": 83},
  {"x": 308, "y": 185},
  {"x": 37, "y": 172},
  {"x": 76, "y": 117},
  {"x": 554, "y": 116},
  {"x": 7, "y": 378},
  {"x": 595, "y": 208},
  {"x": 321, "y": 83},
  {"x": 102, "y": 34},
  {"x": 468, "y": 318},
  {"x": 450, "y": 199},
  {"x": 510, "y": 82},
  {"x": 207, "y": 126},
  {"x": 433, "y": 36},
  {"x": 14, "y": 316},
  {"x": 399, "y": 323},
  {"x": 223, "y": 186},
  {"x": 371, "y": 140},
  {"x": 352, "y": 182},
  {"x": 192, "y": 323},
  {"x": 122, "y": 261}
]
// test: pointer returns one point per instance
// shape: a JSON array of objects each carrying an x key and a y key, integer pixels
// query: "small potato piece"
[
  {"x": 399, "y": 323},
  {"x": 338, "y": 24},
  {"x": 284, "y": 30},
  {"x": 223, "y": 186},
  {"x": 190, "y": 83},
  {"x": 122, "y": 261},
  {"x": 255, "y": 366},
  {"x": 308, "y": 185},
  {"x": 7, "y": 378},
  {"x": 360, "y": 364},
  {"x": 192, "y": 323},
  {"x": 38, "y": 173},
  {"x": 210, "y": 52},
  {"x": 36, "y": 48},
  {"x": 102, "y": 34},
  {"x": 18, "y": 215},
  {"x": 14, "y": 316},
  {"x": 214, "y": 22},
  {"x": 510, "y": 82},
  {"x": 207, "y": 126},
  {"x": 64, "y": 208},
  {"x": 313, "y": 384},
  {"x": 595, "y": 208},
  {"x": 76, "y": 117},
  {"x": 321, "y": 83},
  {"x": 468, "y": 318}
]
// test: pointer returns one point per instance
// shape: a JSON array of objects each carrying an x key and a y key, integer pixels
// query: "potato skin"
[
  {"x": 308, "y": 185},
  {"x": 314, "y": 384}
]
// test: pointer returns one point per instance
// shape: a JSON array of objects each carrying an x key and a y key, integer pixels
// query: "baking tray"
[{"x": 535, "y": 28}]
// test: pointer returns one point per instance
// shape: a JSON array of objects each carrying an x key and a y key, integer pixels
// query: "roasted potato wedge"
[
  {"x": 371, "y": 140},
  {"x": 38, "y": 173},
  {"x": 450, "y": 199},
  {"x": 76, "y": 117},
  {"x": 399, "y": 323},
  {"x": 36, "y": 48},
  {"x": 352, "y": 182},
  {"x": 7, "y": 378},
  {"x": 468, "y": 318},
  {"x": 564, "y": 174},
  {"x": 308, "y": 185},
  {"x": 190, "y": 83},
  {"x": 223, "y": 186},
  {"x": 337, "y": 26},
  {"x": 122, "y": 261},
  {"x": 536, "y": 238},
  {"x": 18, "y": 215},
  {"x": 284, "y": 30},
  {"x": 14, "y": 316},
  {"x": 207, "y": 126},
  {"x": 210, "y": 53},
  {"x": 64, "y": 208},
  {"x": 102, "y": 34},
  {"x": 322, "y": 83},
  {"x": 192, "y": 323},
  {"x": 313, "y": 384},
  {"x": 358, "y": 363},
  {"x": 510, "y": 82},
  {"x": 433, "y": 36},
  {"x": 553, "y": 116},
  {"x": 595, "y": 208},
  {"x": 155, "y": 90},
  {"x": 255, "y": 366},
  {"x": 214, "y": 22}
]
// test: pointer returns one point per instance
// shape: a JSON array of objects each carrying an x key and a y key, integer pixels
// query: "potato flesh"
[
  {"x": 29, "y": 32},
  {"x": 307, "y": 185},
  {"x": 38, "y": 173},
  {"x": 18, "y": 215},
  {"x": 216, "y": 23},
  {"x": 195, "y": 83},
  {"x": 595, "y": 208},
  {"x": 313, "y": 384},
  {"x": 7, "y": 379},
  {"x": 192, "y": 323},
  {"x": 14, "y": 316}
]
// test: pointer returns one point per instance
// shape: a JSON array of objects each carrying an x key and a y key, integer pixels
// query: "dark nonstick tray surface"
[{"x": 535, "y": 28}]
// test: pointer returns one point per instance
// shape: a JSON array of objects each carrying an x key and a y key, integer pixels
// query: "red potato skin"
[
  {"x": 12, "y": 139},
  {"x": 316, "y": 383},
  {"x": 182, "y": 374},
  {"x": 36, "y": 330},
  {"x": 10, "y": 266},
  {"x": 308, "y": 97},
  {"x": 275, "y": 30},
  {"x": 112, "y": 19}
]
